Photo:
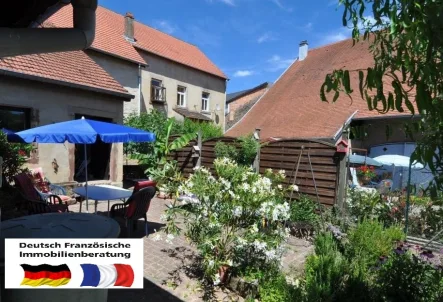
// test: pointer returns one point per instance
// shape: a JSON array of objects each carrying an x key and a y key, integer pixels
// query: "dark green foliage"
[
  {"x": 13, "y": 161},
  {"x": 157, "y": 122},
  {"x": 325, "y": 270},
  {"x": 303, "y": 210},
  {"x": 208, "y": 130},
  {"x": 407, "y": 278},
  {"x": 243, "y": 151}
]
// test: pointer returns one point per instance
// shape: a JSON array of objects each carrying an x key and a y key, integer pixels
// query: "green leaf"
[
  {"x": 368, "y": 100},
  {"x": 390, "y": 101},
  {"x": 347, "y": 81},
  {"x": 336, "y": 95},
  {"x": 360, "y": 82},
  {"x": 409, "y": 105},
  {"x": 323, "y": 94}
]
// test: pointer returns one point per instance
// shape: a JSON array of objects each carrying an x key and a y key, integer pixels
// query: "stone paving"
[{"x": 168, "y": 267}]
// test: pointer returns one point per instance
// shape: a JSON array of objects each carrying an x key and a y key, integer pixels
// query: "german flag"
[{"x": 45, "y": 274}]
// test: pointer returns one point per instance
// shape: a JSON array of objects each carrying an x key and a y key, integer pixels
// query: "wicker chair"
[{"x": 134, "y": 208}]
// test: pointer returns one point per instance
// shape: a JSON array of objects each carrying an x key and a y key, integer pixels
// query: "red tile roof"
[
  {"x": 292, "y": 106},
  {"x": 73, "y": 67},
  {"x": 109, "y": 38}
]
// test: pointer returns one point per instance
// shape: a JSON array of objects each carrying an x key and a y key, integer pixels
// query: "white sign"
[{"x": 73, "y": 263}]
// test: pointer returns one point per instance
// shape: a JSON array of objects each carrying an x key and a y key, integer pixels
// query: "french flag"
[{"x": 107, "y": 275}]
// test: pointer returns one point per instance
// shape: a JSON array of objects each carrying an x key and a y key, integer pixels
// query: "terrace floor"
[{"x": 168, "y": 271}]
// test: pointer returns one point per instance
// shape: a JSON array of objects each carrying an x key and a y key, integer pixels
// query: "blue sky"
[{"x": 252, "y": 41}]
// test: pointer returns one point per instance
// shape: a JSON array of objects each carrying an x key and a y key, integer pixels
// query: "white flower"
[
  {"x": 254, "y": 229},
  {"x": 282, "y": 172},
  {"x": 217, "y": 280},
  {"x": 169, "y": 238},
  {"x": 280, "y": 187},
  {"x": 157, "y": 237},
  {"x": 237, "y": 211},
  {"x": 211, "y": 263},
  {"x": 229, "y": 262},
  {"x": 295, "y": 188}
]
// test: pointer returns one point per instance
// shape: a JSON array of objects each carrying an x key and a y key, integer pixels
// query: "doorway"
[{"x": 98, "y": 155}]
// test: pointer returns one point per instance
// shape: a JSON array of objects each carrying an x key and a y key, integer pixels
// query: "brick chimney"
[
  {"x": 129, "y": 26},
  {"x": 303, "y": 50}
]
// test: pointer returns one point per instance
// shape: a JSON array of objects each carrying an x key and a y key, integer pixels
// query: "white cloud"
[
  {"x": 243, "y": 73},
  {"x": 335, "y": 37},
  {"x": 344, "y": 33},
  {"x": 266, "y": 37},
  {"x": 278, "y": 63},
  {"x": 280, "y": 5},
  {"x": 307, "y": 27},
  {"x": 227, "y": 2},
  {"x": 165, "y": 26}
]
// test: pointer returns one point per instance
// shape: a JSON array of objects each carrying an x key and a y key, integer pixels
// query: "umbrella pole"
[
  {"x": 408, "y": 195},
  {"x": 86, "y": 177}
]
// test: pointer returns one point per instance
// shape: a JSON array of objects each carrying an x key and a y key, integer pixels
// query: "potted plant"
[{"x": 365, "y": 174}]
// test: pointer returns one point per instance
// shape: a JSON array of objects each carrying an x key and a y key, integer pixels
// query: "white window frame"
[
  {"x": 205, "y": 100},
  {"x": 182, "y": 96}
]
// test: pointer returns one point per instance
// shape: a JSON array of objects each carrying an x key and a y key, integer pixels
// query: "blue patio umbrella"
[
  {"x": 364, "y": 160},
  {"x": 12, "y": 136},
  {"x": 84, "y": 131}
]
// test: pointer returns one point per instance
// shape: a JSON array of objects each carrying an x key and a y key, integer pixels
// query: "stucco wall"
[
  {"x": 196, "y": 82},
  {"x": 125, "y": 72},
  {"x": 240, "y": 102},
  {"x": 52, "y": 104},
  {"x": 377, "y": 135}
]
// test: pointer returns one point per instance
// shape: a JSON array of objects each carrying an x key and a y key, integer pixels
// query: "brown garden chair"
[
  {"x": 134, "y": 208},
  {"x": 33, "y": 201}
]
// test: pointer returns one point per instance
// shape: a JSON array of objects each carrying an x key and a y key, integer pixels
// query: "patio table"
[
  {"x": 55, "y": 225},
  {"x": 103, "y": 193}
]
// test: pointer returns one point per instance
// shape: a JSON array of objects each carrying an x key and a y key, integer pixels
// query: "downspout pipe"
[{"x": 24, "y": 41}]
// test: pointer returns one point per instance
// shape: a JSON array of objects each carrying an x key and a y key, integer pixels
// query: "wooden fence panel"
[
  {"x": 284, "y": 155},
  {"x": 281, "y": 155}
]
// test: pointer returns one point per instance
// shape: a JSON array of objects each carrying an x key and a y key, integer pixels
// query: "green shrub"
[
  {"x": 274, "y": 287},
  {"x": 325, "y": 270},
  {"x": 243, "y": 152},
  {"x": 223, "y": 150},
  {"x": 404, "y": 277},
  {"x": 209, "y": 130},
  {"x": 303, "y": 210},
  {"x": 14, "y": 157},
  {"x": 370, "y": 240}
]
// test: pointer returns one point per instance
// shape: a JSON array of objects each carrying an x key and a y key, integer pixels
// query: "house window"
[
  {"x": 205, "y": 101},
  {"x": 181, "y": 96},
  {"x": 158, "y": 93},
  {"x": 15, "y": 119}
]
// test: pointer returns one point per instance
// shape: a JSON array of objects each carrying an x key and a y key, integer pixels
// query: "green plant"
[
  {"x": 243, "y": 151},
  {"x": 14, "y": 157},
  {"x": 275, "y": 288},
  {"x": 368, "y": 241},
  {"x": 325, "y": 270},
  {"x": 237, "y": 220},
  {"x": 223, "y": 150},
  {"x": 362, "y": 204},
  {"x": 208, "y": 129},
  {"x": 304, "y": 210},
  {"x": 405, "y": 277},
  {"x": 162, "y": 148}
]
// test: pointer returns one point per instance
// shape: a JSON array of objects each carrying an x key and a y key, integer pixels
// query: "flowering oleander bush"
[{"x": 238, "y": 218}]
